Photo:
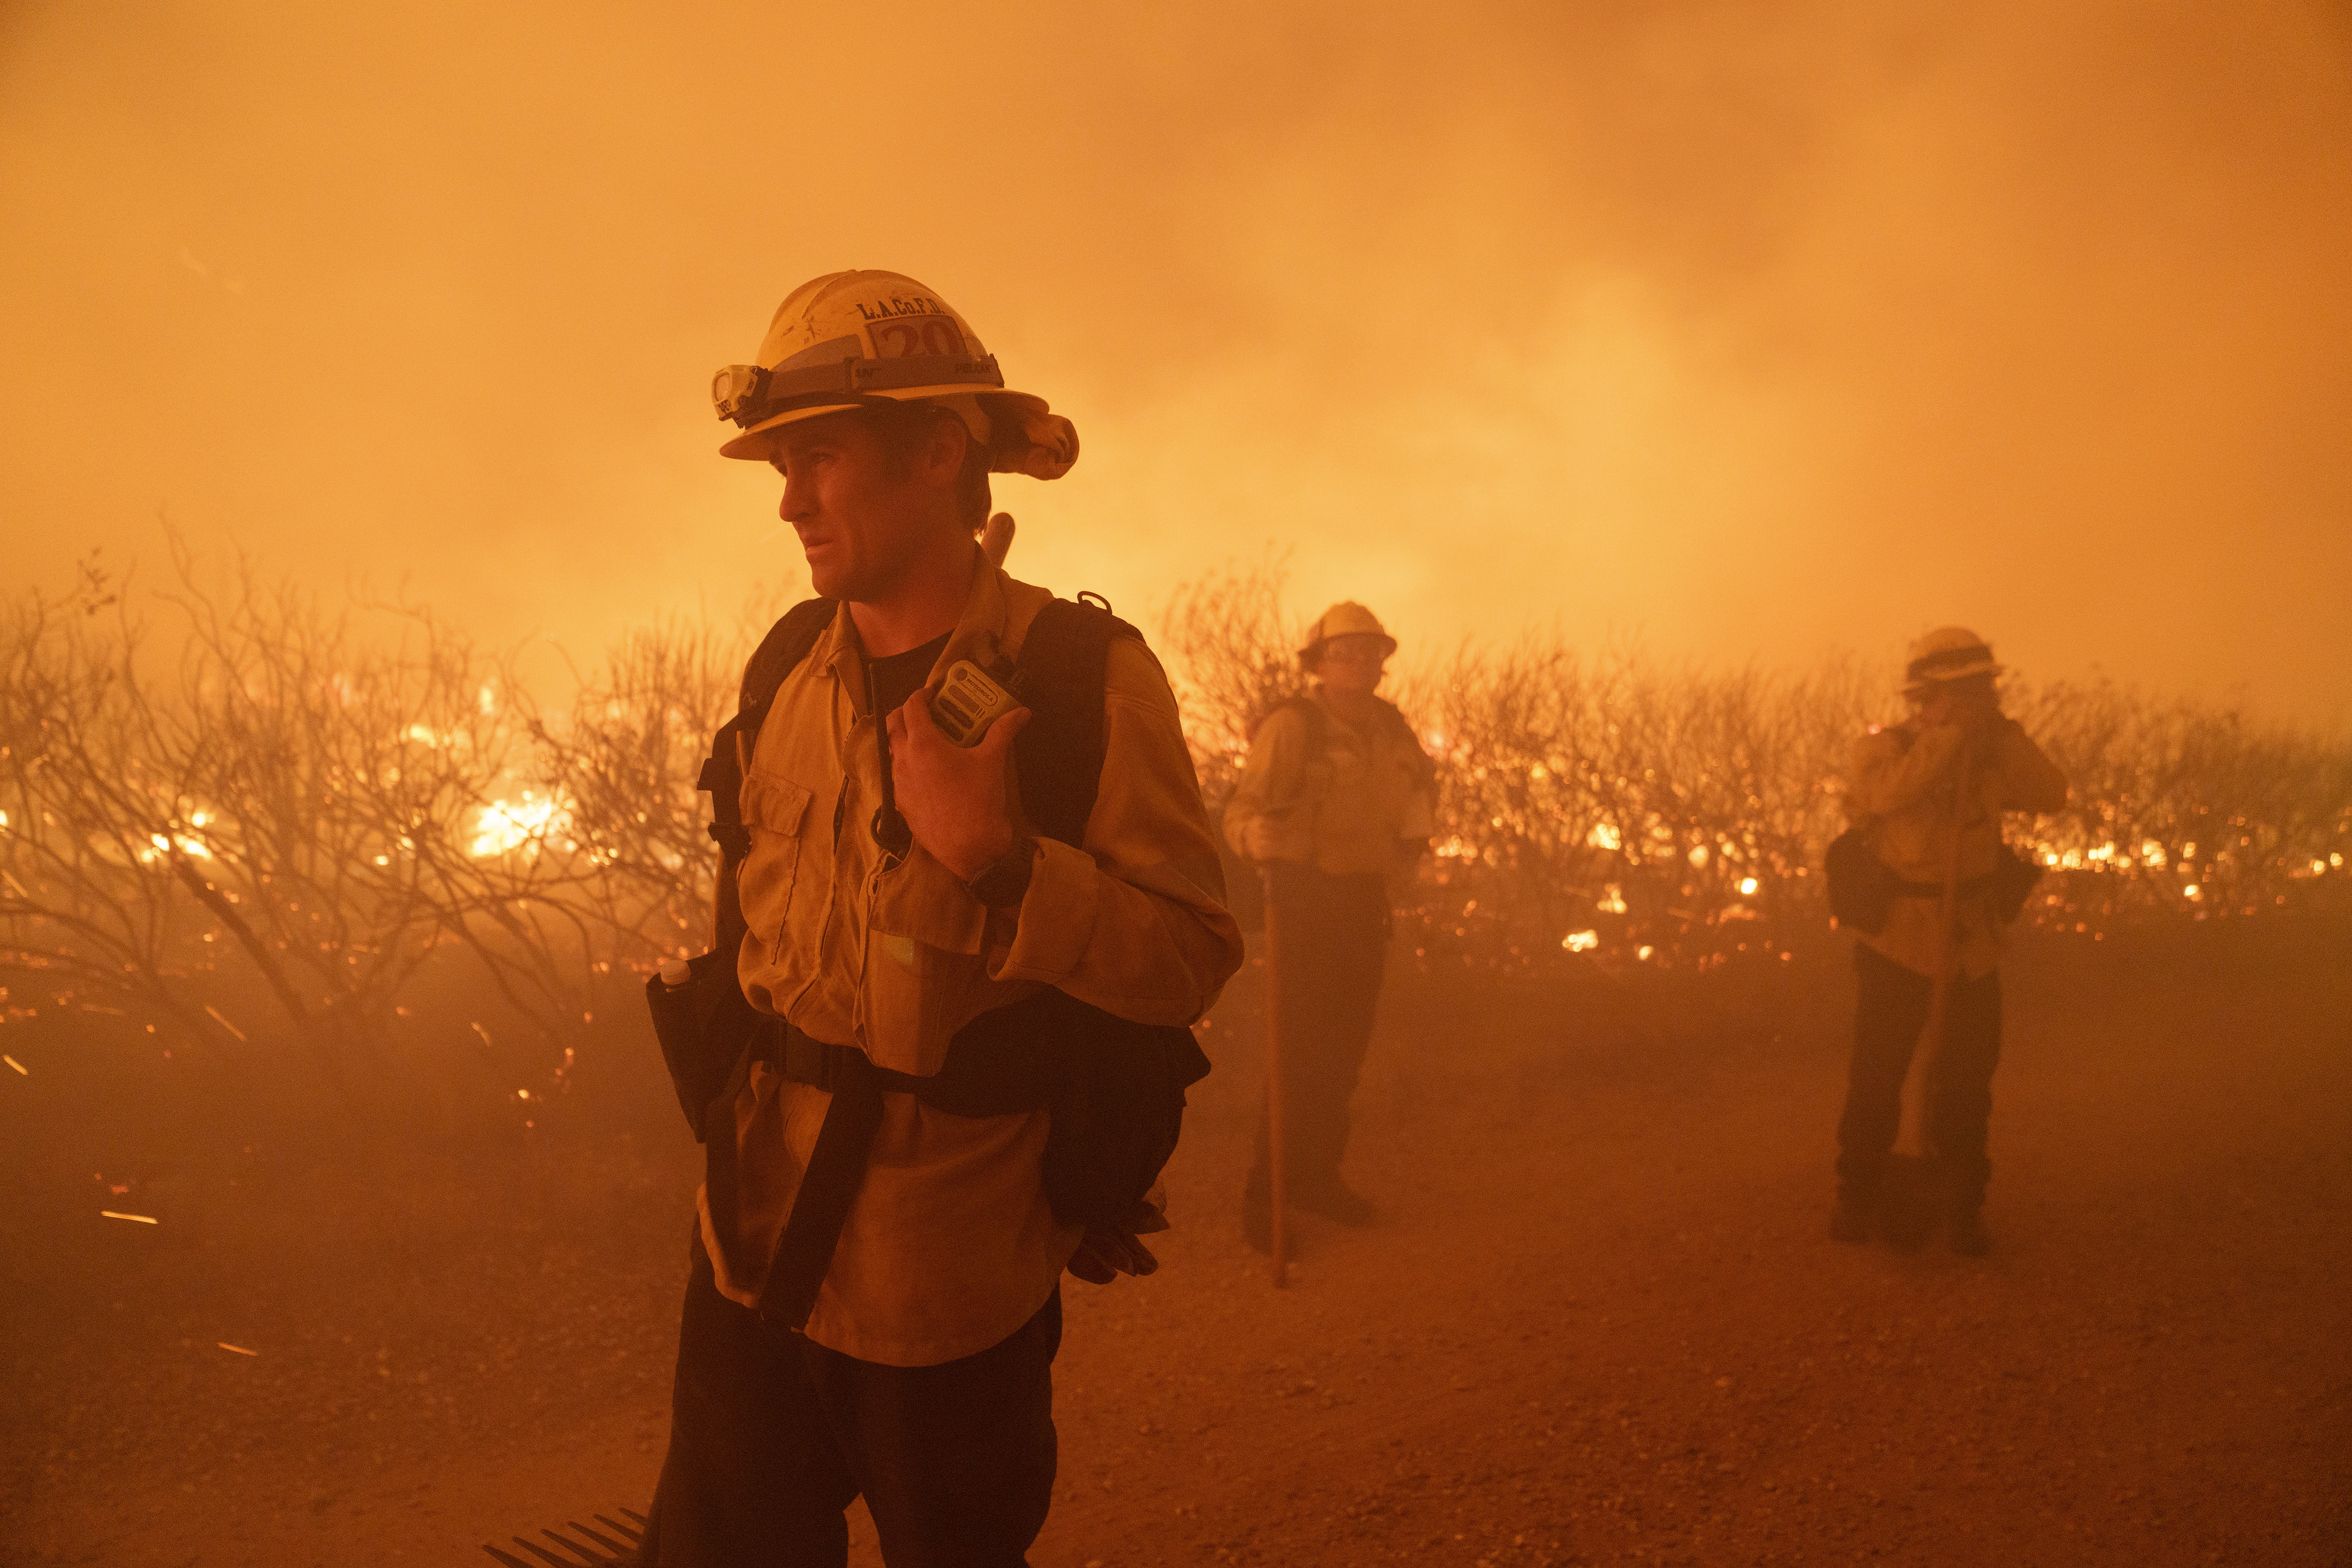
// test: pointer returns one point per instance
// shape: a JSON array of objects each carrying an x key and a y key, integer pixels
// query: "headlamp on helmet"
[
  {"x": 868, "y": 340},
  {"x": 737, "y": 388},
  {"x": 748, "y": 393}
]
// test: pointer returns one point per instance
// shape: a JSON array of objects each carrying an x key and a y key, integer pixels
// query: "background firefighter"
[
  {"x": 1337, "y": 802},
  {"x": 883, "y": 1323},
  {"x": 1906, "y": 801}
]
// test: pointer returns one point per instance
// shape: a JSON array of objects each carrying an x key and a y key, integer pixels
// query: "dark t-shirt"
[{"x": 896, "y": 678}]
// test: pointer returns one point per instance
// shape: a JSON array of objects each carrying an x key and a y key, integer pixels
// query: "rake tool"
[{"x": 602, "y": 1550}]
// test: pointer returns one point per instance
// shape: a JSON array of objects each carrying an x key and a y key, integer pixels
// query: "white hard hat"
[
  {"x": 1345, "y": 619},
  {"x": 1947, "y": 653},
  {"x": 853, "y": 340}
]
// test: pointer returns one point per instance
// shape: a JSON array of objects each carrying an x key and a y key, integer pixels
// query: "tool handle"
[{"x": 1277, "y": 1177}]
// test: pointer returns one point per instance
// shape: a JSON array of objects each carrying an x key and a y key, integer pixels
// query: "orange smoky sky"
[{"x": 1752, "y": 330}]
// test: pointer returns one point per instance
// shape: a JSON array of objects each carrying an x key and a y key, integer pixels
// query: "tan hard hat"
[
  {"x": 1347, "y": 618},
  {"x": 1947, "y": 653},
  {"x": 853, "y": 340}
]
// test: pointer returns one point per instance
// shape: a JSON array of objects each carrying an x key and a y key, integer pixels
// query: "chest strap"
[{"x": 997, "y": 1065}]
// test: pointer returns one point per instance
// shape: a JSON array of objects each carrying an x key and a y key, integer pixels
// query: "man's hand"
[
  {"x": 1971, "y": 710},
  {"x": 954, "y": 798},
  {"x": 1260, "y": 839},
  {"x": 1106, "y": 1252},
  {"x": 1110, "y": 1249}
]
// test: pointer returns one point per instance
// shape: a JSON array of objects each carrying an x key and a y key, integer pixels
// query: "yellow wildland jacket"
[
  {"x": 1901, "y": 794},
  {"x": 950, "y": 1244},
  {"x": 1364, "y": 800}
]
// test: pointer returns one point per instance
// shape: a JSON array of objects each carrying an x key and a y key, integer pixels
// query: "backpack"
[{"x": 1115, "y": 1087}]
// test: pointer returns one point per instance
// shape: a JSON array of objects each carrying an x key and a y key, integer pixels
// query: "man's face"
[
  {"x": 1353, "y": 662},
  {"x": 859, "y": 525},
  {"x": 1954, "y": 701}
]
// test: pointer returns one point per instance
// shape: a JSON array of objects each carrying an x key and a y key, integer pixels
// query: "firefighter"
[
  {"x": 1904, "y": 797},
  {"x": 1335, "y": 804},
  {"x": 884, "y": 1325}
]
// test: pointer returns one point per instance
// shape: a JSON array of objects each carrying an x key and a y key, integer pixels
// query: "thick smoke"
[{"x": 1752, "y": 331}]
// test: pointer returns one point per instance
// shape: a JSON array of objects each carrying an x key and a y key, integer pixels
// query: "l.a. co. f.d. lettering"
[{"x": 900, "y": 305}]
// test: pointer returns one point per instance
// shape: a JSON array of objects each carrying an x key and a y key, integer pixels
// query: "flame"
[{"x": 507, "y": 825}]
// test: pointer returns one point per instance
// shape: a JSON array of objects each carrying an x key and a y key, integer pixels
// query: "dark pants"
[
  {"x": 771, "y": 1436},
  {"x": 1330, "y": 941},
  {"x": 1890, "y": 1009}
]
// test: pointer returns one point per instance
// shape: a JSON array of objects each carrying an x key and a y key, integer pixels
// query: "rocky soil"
[{"x": 1601, "y": 1322}]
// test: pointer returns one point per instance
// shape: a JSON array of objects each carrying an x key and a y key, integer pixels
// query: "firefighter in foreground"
[
  {"x": 1335, "y": 804},
  {"x": 1907, "y": 800},
  {"x": 921, "y": 941}
]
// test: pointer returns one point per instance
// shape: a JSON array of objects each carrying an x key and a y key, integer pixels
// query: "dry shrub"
[
  {"x": 1618, "y": 810},
  {"x": 1232, "y": 653},
  {"x": 271, "y": 822},
  {"x": 262, "y": 827},
  {"x": 625, "y": 766},
  {"x": 2182, "y": 811}
]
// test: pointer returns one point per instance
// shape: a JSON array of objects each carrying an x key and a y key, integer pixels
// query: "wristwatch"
[{"x": 1006, "y": 882}]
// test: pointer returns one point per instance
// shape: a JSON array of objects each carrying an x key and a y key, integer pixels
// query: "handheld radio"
[{"x": 969, "y": 700}]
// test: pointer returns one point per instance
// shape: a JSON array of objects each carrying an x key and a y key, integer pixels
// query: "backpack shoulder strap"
[
  {"x": 779, "y": 654},
  {"x": 781, "y": 651},
  {"x": 1310, "y": 713},
  {"x": 1400, "y": 728},
  {"x": 1317, "y": 723},
  {"x": 1059, "y": 756}
]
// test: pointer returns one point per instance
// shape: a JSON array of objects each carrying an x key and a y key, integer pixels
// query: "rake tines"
[{"x": 602, "y": 1550}]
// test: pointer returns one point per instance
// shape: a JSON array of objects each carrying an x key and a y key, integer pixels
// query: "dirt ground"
[{"x": 1602, "y": 1323}]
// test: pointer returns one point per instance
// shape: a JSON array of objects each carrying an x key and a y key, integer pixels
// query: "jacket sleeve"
[
  {"x": 1273, "y": 785},
  {"x": 1888, "y": 777},
  {"x": 2030, "y": 781},
  {"x": 1135, "y": 921}
]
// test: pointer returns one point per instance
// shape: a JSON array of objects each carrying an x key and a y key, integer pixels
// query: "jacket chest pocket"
[
  {"x": 923, "y": 967},
  {"x": 776, "y": 811}
]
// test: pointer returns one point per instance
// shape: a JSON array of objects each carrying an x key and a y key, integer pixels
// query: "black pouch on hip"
[
  {"x": 2013, "y": 880},
  {"x": 1862, "y": 887},
  {"x": 704, "y": 1025}
]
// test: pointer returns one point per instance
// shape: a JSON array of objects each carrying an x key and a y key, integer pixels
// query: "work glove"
[
  {"x": 1107, "y": 1252},
  {"x": 1112, "y": 1248}
]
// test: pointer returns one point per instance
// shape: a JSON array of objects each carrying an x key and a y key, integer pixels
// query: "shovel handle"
[
  {"x": 1912, "y": 1137},
  {"x": 1278, "y": 1178}
]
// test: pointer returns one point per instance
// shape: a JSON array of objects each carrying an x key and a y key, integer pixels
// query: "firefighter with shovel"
[
  {"x": 1335, "y": 804},
  {"x": 1930, "y": 889}
]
